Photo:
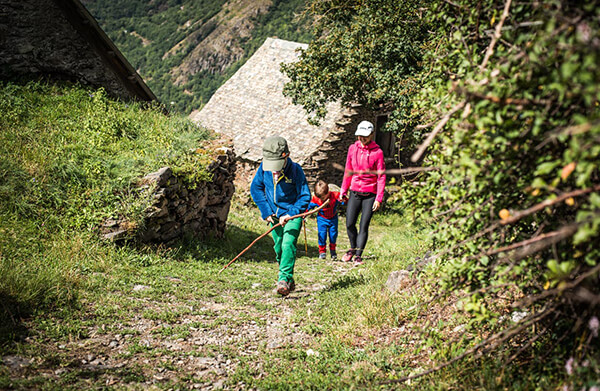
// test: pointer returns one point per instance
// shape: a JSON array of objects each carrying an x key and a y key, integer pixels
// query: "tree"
[{"x": 366, "y": 51}]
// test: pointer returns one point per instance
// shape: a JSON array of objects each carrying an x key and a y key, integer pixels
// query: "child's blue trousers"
[{"x": 327, "y": 227}]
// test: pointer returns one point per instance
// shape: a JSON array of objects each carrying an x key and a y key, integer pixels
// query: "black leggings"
[{"x": 358, "y": 202}]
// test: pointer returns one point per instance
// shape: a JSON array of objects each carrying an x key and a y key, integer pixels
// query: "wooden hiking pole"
[
  {"x": 305, "y": 245},
  {"x": 301, "y": 215}
]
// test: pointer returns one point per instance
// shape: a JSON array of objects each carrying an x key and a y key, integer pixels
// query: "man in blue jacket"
[{"x": 280, "y": 191}]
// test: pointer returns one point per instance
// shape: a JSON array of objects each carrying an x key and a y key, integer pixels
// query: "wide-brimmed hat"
[
  {"x": 275, "y": 151},
  {"x": 365, "y": 128}
]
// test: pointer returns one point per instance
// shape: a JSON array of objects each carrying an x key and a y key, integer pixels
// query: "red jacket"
[
  {"x": 364, "y": 158},
  {"x": 330, "y": 211}
]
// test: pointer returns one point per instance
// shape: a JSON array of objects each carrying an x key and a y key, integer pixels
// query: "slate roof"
[{"x": 250, "y": 106}]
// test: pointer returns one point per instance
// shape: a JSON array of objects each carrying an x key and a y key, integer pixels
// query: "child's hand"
[
  {"x": 284, "y": 219},
  {"x": 270, "y": 219}
]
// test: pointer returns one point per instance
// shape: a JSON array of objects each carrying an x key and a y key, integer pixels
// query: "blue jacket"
[{"x": 290, "y": 196}]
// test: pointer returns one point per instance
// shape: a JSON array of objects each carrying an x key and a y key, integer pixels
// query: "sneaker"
[
  {"x": 283, "y": 288},
  {"x": 333, "y": 256},
  {"x": 358, "y": 260},
  {"x": 348, "y": 256},
  {"x": 292, "y": 286},
  {"x": 322, "y": 255}
]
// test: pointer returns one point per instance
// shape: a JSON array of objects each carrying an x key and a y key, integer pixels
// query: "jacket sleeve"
[
  {"x": 312, "y": 203},
  {"x": 380, "y": 177},
  {"x": 302, "y": 191},
  {"x": 337, "y": 198},
  {"x": 257, "y": 191},
  {"x": 347, "y": 177}
]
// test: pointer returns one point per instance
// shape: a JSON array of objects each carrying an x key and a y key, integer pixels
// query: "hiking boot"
[
  {"x": 333, "y": 256},
  {"x": 358, "y": 260},
  {"x": 322, "y": 255},
  {"x": 292, "y": 286},
  {"x": 283, "y": 288},
  {"x": 348, "y": 256}
]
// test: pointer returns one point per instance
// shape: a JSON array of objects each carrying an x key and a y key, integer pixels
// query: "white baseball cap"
[{"x": 365, "y": 128}]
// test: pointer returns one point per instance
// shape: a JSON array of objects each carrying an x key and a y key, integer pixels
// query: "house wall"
[
  {"x": 331, "y": 152},
  {"x": 37, "y": 39}
]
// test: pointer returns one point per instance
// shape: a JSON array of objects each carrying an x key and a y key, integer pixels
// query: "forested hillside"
[{"x": 186, "y": 49}]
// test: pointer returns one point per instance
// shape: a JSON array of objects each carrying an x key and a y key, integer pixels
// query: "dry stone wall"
[{"x": 177, "y": 210}]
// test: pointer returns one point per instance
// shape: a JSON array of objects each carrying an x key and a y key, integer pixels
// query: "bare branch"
[
  {"x": 391, "y": 171},
  {"x": 538, "y": 243},
  {"x": 497, "y": 34},
  {"x": 417, "y": 155},
  {"x": 554, "y": 292},
  {"x": 536, "y": 208}
]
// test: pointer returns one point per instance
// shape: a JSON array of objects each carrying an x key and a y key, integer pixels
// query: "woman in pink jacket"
[{"x": 364, "y": 176}]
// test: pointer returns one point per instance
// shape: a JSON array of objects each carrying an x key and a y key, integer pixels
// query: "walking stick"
[
  {"x": 271, "y": 229},
  {"x": 305, "y": 245}
]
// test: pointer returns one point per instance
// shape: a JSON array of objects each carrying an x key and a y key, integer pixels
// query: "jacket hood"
[{"x": 369, "y": 147}]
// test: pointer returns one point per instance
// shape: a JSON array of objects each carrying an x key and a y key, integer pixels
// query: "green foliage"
[
  {"x": 514, "y": 194},
  {"x": 365, "y": 52},
  {"x": 69, "y": 158}
]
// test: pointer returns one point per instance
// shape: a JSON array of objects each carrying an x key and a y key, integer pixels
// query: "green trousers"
[{"x": 285, "y": 239}]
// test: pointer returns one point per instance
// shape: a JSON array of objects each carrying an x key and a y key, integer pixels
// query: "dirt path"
[{"x": 165, "y": 332}]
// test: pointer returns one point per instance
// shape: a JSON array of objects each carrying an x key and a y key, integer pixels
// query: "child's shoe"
[
  {"x": 358, "y": 260},
  {"x": 322, "y": 255},
  {"x": 333, "y": 255},
  {"x": 348, "y": 256},
  {"x": 292, "y": 286},
  {"x": 283, "y": 288}
]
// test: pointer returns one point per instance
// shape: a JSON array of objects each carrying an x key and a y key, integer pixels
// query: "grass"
[
  {"x": 69, "y": 158},
  {"x": 87, "y": 314}
]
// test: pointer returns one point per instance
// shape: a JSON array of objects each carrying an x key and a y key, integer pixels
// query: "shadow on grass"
[
  {"x": 11, "y": 313},
  {"x": 235, "y": 241},
  {"x": 346, "y": 281}
]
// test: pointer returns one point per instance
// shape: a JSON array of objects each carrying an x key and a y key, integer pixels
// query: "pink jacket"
[{"x": 364, "y": 158}]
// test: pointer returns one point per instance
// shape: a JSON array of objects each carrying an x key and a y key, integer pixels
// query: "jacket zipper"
[{"x": 275, "y": 194}]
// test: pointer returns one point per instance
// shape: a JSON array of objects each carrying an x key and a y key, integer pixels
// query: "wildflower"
[
  {"x": 594, "y": 324},
  {"x": 518, "y": 316},
  {"x": 569, "y": 366}
]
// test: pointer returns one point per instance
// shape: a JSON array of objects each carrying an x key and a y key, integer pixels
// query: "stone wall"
[
  {"x": 319, "y": 165},
  {"x": 59, "y": 40},
  {"x": 178, "y": 210}
]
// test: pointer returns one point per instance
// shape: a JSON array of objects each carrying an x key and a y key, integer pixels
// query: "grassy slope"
[
  {"x": 90, "y": 315},
  {"x": 68, "y": 158}
]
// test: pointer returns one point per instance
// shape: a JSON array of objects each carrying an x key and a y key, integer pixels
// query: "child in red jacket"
[{"x": 327, "y": 218}]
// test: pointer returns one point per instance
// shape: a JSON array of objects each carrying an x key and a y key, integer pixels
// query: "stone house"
[
  {"x": 250, "y": 106},
  {"x": 61, "y": 40}
]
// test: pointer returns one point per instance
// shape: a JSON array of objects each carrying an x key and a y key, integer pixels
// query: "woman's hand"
[{"x": 376, "y": 205}]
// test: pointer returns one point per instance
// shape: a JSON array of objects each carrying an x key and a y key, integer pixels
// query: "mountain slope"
[{"x": 186, "y": 49}]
